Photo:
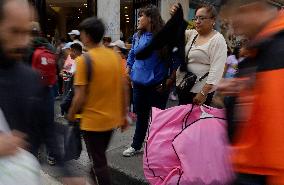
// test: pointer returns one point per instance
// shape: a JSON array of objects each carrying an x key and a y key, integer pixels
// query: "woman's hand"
[
  {"x": 199, "y": 99},
  {"x": 174, "y": 8}
]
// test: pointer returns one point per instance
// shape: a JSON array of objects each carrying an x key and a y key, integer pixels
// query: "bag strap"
[
  {"x": 88, "y": 62},
  {"x": 193, "y": 41},
  {"x": 204, "y": 76}
]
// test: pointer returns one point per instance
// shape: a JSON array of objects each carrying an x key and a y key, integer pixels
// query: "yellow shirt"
[{"x": 103, "y": 108}]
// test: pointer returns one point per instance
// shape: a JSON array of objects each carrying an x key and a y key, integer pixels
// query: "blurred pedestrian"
[
  {"x": 152, "y": 78},
  {"x": 101, "y": 98},
  {"x": 106, "y": 41},
  {"x": 61, "y": 57},
  {"x": 75, "y": 52},
  {"x": 119, "y": 47},
  {"x": 206, "y": 53},
  {"x": 21, "y": 91},
  {"x": 258, "y": 142},
  {"x": 67, "y": 71},
  {"x": 75, "y": 37},
  {"x": 43, "y": 59},
  {"x": 232, "y": 63}
]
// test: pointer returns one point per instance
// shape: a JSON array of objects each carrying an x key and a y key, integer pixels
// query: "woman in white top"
[{"x": 208, "y": 54}]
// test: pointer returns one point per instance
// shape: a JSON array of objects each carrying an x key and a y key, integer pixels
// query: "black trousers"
[
  {"x": 187, "y": 98},
  {"x": 144, "y": 98},
  {"x": 97, "y": 144},
  {"x": 249, "y": 179}
]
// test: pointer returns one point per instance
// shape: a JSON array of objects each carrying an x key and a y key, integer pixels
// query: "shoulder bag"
[{"x": 189, "y": 79}]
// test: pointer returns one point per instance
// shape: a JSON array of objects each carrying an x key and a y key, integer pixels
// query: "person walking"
[
  {"x": 151, "y": 77},
  {"x": 100, "y": 98},
  {"x": 75, "y": 37},
  {"x": 206, "y": 54},
  {"x": 21, "y": 90},
  {"x": 68, "y": 66},
  {"x": 75, "y": 52},
  {"x": 258, "y": 140}
]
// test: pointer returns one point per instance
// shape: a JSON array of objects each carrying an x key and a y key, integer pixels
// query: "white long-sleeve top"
[{"x": 209, "y": 57}]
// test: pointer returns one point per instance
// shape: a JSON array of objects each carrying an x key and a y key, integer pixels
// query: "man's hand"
[
  {"x": 71, "y": 117},
  {"x": 10, "y": 143},
  {"x": 174, "y": 8},
  {"x": 231, "y": 87},
  {"x": 199, "y": 99}
]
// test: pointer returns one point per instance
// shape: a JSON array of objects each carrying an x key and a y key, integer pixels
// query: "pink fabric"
[
  {"x": 176, "y": 152},
  {"x": 69, "y": 62}
]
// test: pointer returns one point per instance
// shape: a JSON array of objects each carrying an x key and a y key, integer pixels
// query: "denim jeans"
[{"x": 144, "y": 98}]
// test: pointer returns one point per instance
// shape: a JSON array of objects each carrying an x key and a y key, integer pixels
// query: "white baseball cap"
[
  {"x": 74, "y": 32},
  {"x": 118, "y": 43}
]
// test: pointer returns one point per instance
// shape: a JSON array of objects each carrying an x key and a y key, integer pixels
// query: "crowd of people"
[{"x": 106, "y": 85}]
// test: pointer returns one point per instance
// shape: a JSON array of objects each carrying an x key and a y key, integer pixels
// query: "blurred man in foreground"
[
  {"x": 258, "y": 143},
  {"x": 20, "y": 87}
]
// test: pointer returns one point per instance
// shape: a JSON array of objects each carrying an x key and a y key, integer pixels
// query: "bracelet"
[{"x": 203, "y": 93}]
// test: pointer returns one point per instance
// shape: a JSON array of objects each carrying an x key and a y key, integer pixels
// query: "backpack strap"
[{"x": 88, "y": 62}]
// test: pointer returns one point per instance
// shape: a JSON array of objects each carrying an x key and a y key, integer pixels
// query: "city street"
[{"x": 125, "y": 171}]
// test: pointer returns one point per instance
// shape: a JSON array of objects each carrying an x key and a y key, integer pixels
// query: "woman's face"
[
  {"x": 204, "y": 22},
  {"x": 144, "y": 22}
]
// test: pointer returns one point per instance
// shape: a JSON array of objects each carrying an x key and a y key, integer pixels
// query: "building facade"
[{"x": 58, "y": 17}]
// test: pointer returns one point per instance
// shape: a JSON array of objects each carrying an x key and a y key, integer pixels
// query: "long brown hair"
[
  {"x": 153, "y": 13},
  {"x": 157, "y": 24}
]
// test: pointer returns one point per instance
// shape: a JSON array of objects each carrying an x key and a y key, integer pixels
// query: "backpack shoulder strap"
[{"x": 88, "y": 62}]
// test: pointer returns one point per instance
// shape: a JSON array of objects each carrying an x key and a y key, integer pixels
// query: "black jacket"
[{"x": 171, "y": 36}]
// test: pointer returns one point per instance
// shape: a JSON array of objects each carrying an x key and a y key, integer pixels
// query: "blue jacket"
[{"x": 149, "y": 71}]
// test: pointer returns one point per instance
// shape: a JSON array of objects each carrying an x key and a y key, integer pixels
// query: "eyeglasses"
[{"x": 201, "y": 18}]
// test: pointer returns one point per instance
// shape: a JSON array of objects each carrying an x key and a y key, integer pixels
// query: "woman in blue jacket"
[{"x": 152, "y": 77}]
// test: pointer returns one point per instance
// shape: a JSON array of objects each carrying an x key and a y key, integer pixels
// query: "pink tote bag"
[{"x": 167, "y": 157}]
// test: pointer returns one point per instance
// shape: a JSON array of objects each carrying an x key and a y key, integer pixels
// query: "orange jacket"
[{"x": 259, "y": 145}]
